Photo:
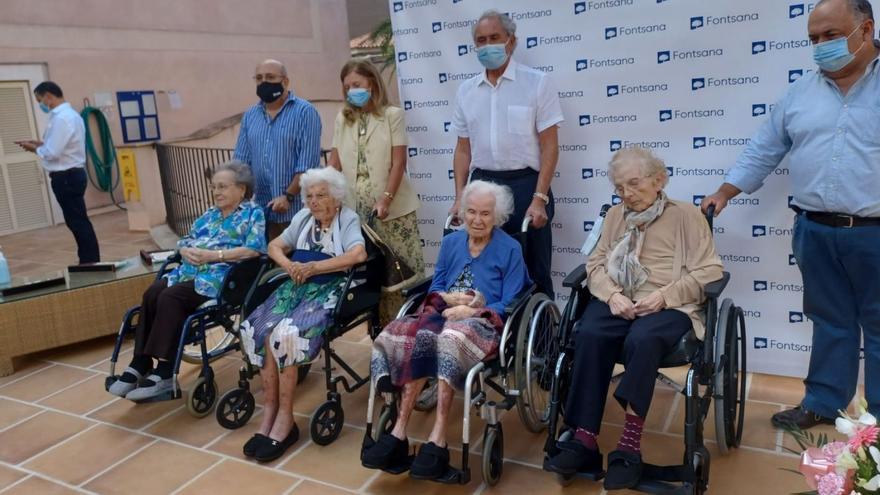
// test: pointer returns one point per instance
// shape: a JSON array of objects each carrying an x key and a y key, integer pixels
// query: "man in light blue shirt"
[
  {"x": 280, "y": 138},
  {"x": 829, "y": 124},
  {"x": 62, "y": 153}
]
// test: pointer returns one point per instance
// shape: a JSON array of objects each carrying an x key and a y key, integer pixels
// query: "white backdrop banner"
[{"x": 690, "y": 79}]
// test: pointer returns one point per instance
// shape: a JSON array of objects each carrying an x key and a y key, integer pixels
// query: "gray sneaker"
[
  {"x": 120, "y": 388},
  {"x": 152, "y": 388}
]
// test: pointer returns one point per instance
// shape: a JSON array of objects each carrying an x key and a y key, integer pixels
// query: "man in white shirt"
[
  {"x": 62, "y": 153},
  {"x": 506, "y": 120}
]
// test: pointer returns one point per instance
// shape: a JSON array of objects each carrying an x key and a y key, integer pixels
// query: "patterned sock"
[
  {"x": 587, "y": 438},
  {"x": 631, "y": 438}
]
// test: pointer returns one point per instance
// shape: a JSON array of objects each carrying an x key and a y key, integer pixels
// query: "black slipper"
[
  {"x": 273, "y": 449},
  {"x": 624, "y": 470},
  {"x": 573, "y": 457},
  {"x": 431, "y": 463},
  {"x": 388, "y": 453},
  {"x": 251, "y": 446}
]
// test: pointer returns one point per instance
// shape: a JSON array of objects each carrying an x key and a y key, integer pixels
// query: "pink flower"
[
  {"x": 831, "y": 484},
  {"x": 833, "y": 450},
  {"x": 864, "y": 436}
]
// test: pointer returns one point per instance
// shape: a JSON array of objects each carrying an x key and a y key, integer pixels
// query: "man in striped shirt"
[{"x": 280, "y": 138}]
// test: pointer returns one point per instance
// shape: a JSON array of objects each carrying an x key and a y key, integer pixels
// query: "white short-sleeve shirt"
[{"x": 502, "y": 122}]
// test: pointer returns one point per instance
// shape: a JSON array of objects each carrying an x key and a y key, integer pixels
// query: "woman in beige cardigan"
[
  {"x": 647, "y": 275},
  {"x": 369, "y": 147}
]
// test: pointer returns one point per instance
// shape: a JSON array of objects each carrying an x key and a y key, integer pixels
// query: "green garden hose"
[{"x": 103, "y": 163}]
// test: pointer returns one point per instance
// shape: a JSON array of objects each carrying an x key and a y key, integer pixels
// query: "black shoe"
[
  {"x": 273, "y": 449},
  {"x": 624, "y": 470},
  {"x": 388, "y": 452},
  {"x": 251, "y": 446},
  {"x": 799, "y": 417},
  {"x": 574, "y": 457},
  {"x": 431, "y": 463}
]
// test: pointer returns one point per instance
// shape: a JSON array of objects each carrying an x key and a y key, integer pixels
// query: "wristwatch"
[{"x": 290, "y": 197}]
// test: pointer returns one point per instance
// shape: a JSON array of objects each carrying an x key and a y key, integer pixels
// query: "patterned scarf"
[{"x": 623, "y": 262}]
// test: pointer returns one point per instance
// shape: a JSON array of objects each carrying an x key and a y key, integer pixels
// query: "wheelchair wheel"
[
  {"x": 326, "y": 423},
  {"x": 537, "y": 349},
  {"x": 302, "y": 372},
  {"x": 493, "y": 454},
  {"x": 235, "y": 408},
  {"x": 428, "y": 398},
  {"x": 201, "y": 397},
  {"x": 216, "y": 339},
  {"x": 387, "y": 418},
  {"x": 730, "y": 376}
]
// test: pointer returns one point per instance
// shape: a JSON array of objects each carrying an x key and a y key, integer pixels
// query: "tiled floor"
[
  {"x": 37, "y": 252},
  {"x": 60, "y": 432}
]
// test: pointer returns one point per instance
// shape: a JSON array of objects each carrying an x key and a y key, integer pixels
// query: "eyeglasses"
[
  {"x": 269, "y": 78},
  {"x": 220, "y": 187},
  {"x": 631, "y": 184}
]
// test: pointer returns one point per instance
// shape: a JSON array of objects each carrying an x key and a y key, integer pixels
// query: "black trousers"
[
  {"x": 601, "y": 340},
  {"x": 163, "y": 311},
  {"x": 539, "y": 242},
  {"x": 69, "y": 187}
]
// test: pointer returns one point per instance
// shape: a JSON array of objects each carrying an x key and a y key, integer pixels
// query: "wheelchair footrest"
[
  {"x": 167, "y": 395},
  {"x": 454, "y": 476},
  {"x": 666, "y": 480}
]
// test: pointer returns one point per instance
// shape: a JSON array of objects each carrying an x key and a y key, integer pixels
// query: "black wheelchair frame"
[
  {"x": 717, "y": 372},
  {"x": 213, "y": 313}
]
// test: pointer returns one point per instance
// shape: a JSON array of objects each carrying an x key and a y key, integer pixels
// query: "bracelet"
[
  {"x": 543, "y": 197},
  {"x": 220, "y": 254},
  {"x": 388, "y": 195}
]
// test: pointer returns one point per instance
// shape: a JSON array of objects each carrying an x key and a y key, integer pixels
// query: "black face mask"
[{"x": 269, "y": 92}]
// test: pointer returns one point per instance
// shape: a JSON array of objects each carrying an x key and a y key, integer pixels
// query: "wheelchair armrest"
[
  {"x": 242, "y": 275},
  {"x": 174, "y": 259},
  {"x": 714, "y": 289},
  {"x": 576, "y": 277},
  {"x": 421, "y": 286},
  {"x": 519, "y": 300}
]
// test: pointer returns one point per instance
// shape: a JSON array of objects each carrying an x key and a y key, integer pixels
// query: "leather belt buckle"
[{"x": 847, "y": 217}]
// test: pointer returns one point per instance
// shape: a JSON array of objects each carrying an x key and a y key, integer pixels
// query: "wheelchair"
[
  {"x": 717, "y": 372},
  {"x": 205, "y": 335},
  {"x": 520, "y": 373},
  {"x": 358, "y": 304}
]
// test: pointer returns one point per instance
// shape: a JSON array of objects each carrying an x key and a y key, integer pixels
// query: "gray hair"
[
  {"x": 651, "y": 165},
  {"x": 503, "y": 199},
  {"x": 323, "y": 175},
  {"x": 860, "y": 9},
  {"x": 272, "y": 61},
  {"x": 505, "y": 20},
  {"x": 242, "y": 173}
]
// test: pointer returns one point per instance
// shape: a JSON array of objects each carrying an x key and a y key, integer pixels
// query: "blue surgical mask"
[
  {"x": 492, "y": 56},
  {"x": 833, "y": 55},
  {"x": 45, "y": 108},
  {"x": 358, "y": 96}
]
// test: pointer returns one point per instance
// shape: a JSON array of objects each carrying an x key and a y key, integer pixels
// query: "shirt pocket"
[{"x": 520, "y": 120}]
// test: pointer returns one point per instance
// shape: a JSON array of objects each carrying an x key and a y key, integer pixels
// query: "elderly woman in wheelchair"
[
  {"x": 286, "y": 330},
  {"x": 479, "y": 271},
  {"x": 647, "y": 275},
  {"x": 230, "y": 231}
]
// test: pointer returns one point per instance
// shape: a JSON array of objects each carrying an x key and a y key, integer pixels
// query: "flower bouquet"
[{"x": 842, "y": 468}]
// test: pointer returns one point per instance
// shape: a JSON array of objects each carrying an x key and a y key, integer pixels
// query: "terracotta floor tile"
[
  {"x": 44, "y": 382},
  {"x": 36, "y": 485},
  {"x": 184, "y": 427},
  {"x": 9, "y": 476},
  {"x": 753, "y": 473},
  {"x": 88, "y": 454},
  {"x": 12, "y": 412},
  {"x": 321, "y": 463},
  {"x": 38, "y": 434},
  {"x": 516, "y": 478},
  {"x": 23, "y": 366},
  {"x": 776, "y": 389},
  {"x": 237, "y": 477},
  {"x": 757, "y": 430},
  {"x": 83, "y": 354},
  {"x": 519, "y": 443},
  {"x": 135, "y": 416},
  {"x": 312, "y": 488},
  {"x": 121, "y": 362},
  {"x": 234, "y": 440},
  {"x": 81, "y": 398},
  {"x": 176, "y": 464}
]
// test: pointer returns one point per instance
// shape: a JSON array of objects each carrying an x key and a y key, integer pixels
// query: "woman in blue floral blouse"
[
  {"x": 232, "y": 230},
  {"x": 322, "y": 241}
]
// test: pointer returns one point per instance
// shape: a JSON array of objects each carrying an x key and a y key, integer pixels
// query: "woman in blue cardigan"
[{"x": 479, "y": 271}]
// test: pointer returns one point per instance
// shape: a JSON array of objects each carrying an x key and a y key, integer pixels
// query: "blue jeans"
[{"x": 841, "y": 272}]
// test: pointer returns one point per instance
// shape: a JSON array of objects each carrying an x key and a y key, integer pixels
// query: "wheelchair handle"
[
  {"x": 710, "y": 215},
  {"x": 525, "y": 224}
]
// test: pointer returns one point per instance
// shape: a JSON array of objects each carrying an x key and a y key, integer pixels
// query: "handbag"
[
  {"x": 305, "y": 256},
  {"x": 398, "y": 274}
]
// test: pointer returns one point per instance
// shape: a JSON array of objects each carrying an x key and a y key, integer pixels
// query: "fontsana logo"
[
  {"x": 529, "y": 14},
  {"x": 698, "y": 199},
  {"x": 581, "y": 7},
  {"x": 771, "y": 231},
  {"x": 624, "y": 31},
  {"x": 612, "y": 90},
  {"x": 588, "y": 225},
  {"x": 762, "y": 109},
  {"x": 587, "y": 119},
  {"x": 761, "y": 343},
  {"x": 436, "y": 198},
  {"x": 438, "y": 26},
  {"x": 444, "y": 77},
  {"x": 416, "y": 129},
  {"x": 739, "y": 258},
  {"x": 582, "y": 64},
  {"x": 407, "y": 81},
  {"x": 698, "y": 83},
  {"x": 573, "y": 147},
  {"x": 578, "y": 93},
  {"x": 617, "y": 144},
  {"x": 412, "y": 4},
  {"x": 699, "y": 172},
  {"x": 572, "y": 200},
  {"x": 795, "y": 74},
  {"x": 698, "y": 22},
  {"x": 771, "y": 286},
  {"x": 411, "y": 104},
  {"x": 465, "y": 49},
  {"x": 421, "y": 175},
  {"x": 796, "y": 10},
  {"x": 589, "y": 173},
  {"x": 535, "y": 41},
  {"x": 404, "y": 56},
  {"x": 792, "y": 261},
  {"x": 797, "y": 317},
  {"x": 700, "y": 142},
  {"x": 566, "y": 249},
  {"x": 665, "y": 56},
  {"x": 707, "y": 113},
  {"x": 763, "y": 46},
  {"x": 412, "y": 151},
  {"x": 405, "y": 31}
]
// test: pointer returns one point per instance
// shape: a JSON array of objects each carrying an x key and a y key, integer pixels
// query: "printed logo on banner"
[
  {"x": 407, "y": 81},
  {"x": 670, "y": 171},
  {"x": 587, "y": 173},
  {"x": 455, "y": 76},
  {"x": 584, "y": 120},
  {"x": 411, "y": 152},
  {"x": 411, "y": 4},
  {"x": 792, "y": 261},
  {"x": 417, "y": 104},
  {"x": 588, "y": 225},
  {"x": 664, "y": 56},
  {"x": 587, "y": 119},
  {"x": 615, "y": 199},
  {"x": 436, "y": 27},
  {"x": 581, "y": 7},
  {"x": 446, "y": 126},
  {"x": 667, "y": 115},
  {"x": 560, "y": 39},
  {"x": 622, "y": 31},
  {"x": 769, "y": 230},
  {"x": 765, "y": 285},
  {"x": 795, "y": 74},
  {"x": 615, "y": 145},
  {"x": 759, "y": 109},
  {"x": 465, "y": 49},
  {"x": 796, "y": 10},
  {"x": 796, "y": 317},
  {"x": 759, "y": 47},
  {"x": 451, "y": 174},
  {"x": 404, "y": 56},
  {"x": 762, "y": 343},
  {"x": 700, "y": 142},
  {"x": 697, "y": 22},
  {"x": 698, "y": 83},
  {"x": 397, "y": 6},
  {"x": 618, "y": 89}
]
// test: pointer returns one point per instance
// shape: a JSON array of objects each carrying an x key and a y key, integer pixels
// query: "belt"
[
  {"x": 506, "y": 174},
  {"x": 838, "y": 219}
]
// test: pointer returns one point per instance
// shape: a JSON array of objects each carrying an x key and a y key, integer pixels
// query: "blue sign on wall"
[{"x": 138, "y": 116}]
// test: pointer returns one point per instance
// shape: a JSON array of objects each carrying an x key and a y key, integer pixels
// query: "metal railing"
[{"x": 186, "y": 178}]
